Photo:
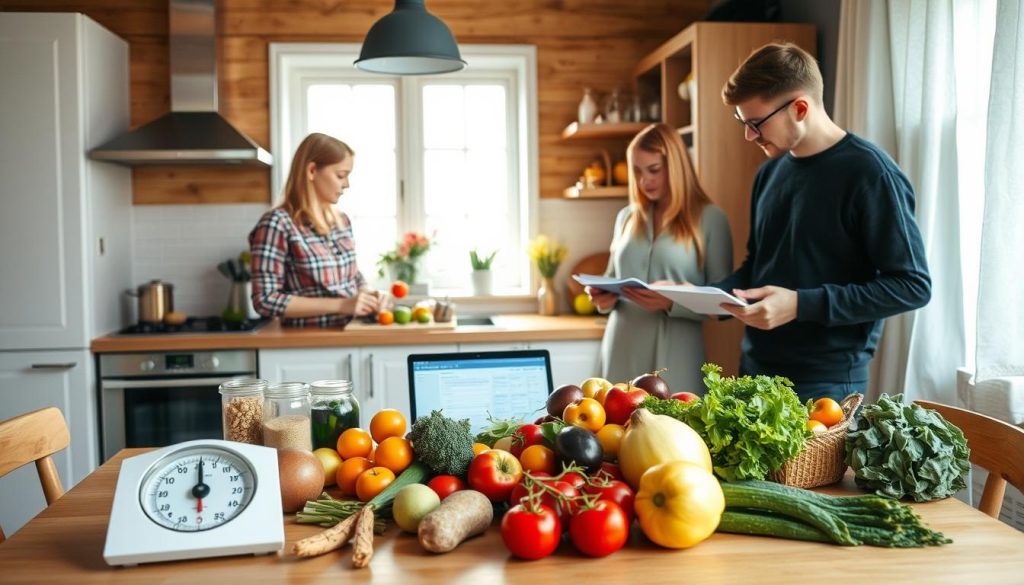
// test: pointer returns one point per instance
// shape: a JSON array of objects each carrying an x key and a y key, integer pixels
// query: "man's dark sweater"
[{"x": 838, "y": 227}]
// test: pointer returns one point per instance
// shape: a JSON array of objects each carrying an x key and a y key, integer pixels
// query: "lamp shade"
[{"x": 410, "y": 41}]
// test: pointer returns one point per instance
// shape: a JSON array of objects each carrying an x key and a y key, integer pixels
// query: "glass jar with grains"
[
  {"x": 286, "y": 416},
  {"x": 334, "y": 410},
  {"x": 242, "y": 410}
]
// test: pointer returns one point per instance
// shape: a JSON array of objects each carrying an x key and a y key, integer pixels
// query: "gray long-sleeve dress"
[{"x": 637, "y": 341}]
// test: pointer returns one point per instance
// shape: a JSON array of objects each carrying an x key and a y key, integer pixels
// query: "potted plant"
[
  {"x": 482, "y": 277},
  {"x": 547, "y": 254},
  {"x": 403, "y": 262}
]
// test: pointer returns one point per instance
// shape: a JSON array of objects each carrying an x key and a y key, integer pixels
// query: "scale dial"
[{"x": 197, "y": 489}]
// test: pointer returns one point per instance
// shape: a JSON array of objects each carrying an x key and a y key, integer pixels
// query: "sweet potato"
[{"x": 461, "y": 515}]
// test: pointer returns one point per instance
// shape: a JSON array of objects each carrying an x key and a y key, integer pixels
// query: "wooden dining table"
[{"x": 64, "y": 544}]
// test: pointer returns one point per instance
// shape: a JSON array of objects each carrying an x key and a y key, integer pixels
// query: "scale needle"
[{"x": 200, "y": 490}]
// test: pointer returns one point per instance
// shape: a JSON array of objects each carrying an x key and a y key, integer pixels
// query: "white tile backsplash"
[{"x": 182, "y": 244}]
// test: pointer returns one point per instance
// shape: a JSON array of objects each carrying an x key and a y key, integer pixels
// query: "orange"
[
  {"x": 816, "y": 426},
  {"x": 538, "y": 458},
  {"x": 387, "y": 423},
  {"x": 395, "y": 453},
  {"x": 354, "y": 443},
  {"x": 827, "y": 412},
  {"x": 479, "y": 448},
  {"x": 610, "y": 437},
  {"x": 385, "y": 317},
  {"x": 372, "y": 482},
  {"x": 349, "y": 472}
]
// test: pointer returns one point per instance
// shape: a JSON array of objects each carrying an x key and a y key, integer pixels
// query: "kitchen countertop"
[{"x": 506, "y": 328}]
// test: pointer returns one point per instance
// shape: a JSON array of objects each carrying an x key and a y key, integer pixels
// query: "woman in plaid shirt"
[{"x": 303, "y": 255}]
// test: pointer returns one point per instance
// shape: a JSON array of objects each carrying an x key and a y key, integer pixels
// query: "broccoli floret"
[{"x": 442, "y": 444}]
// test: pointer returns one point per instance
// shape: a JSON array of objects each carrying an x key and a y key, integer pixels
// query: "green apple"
[
  {"x": 403, "y": 315},
  {"x": 412, "y": 503}
]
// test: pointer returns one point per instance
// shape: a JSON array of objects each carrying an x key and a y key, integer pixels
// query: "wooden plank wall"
[{"x": 579, "y": 43}]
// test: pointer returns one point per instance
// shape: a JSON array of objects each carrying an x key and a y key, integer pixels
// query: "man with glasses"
[{"x": 833, "y": 248}]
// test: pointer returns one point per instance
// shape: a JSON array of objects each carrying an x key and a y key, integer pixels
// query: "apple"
[
  {"x": 621, "y": 402},
  {"x": 685, "y": 396},
  {"x": 591, "y": 386},
  {"x": 412, "y": 503}
]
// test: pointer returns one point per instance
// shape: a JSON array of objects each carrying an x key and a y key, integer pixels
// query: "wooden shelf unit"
[
  {"x": 725, "y": 162},
  {"x": 608, "y": 130},
  {"x": 596, "y": 192}
]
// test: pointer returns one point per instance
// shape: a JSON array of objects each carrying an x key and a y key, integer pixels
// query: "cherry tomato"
[
  {"x": 564, "y": 508},
  {"x": 611, "y": 469},
  {"x": 614, "y": 491},
  {"x": 538, "y": 458},
  {"x": 446, "y": 485},
  {"x": 599, "y": 531},
  {"x": 526, "y": 436},
  {"x": 530, "y": 534},
  {"x": 494, "y": 473},
  {"x": 574, "y": 479}
]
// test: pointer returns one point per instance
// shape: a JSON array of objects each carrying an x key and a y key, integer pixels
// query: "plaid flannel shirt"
[{"x": 288, "y": 260}]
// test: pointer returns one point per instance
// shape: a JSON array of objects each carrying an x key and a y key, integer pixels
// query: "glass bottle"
[
  {"x": 286, "y": 413},
  {"x": 242, "y": 410},
  {"x": 334, "y": 410},
  {"x": 587, "y": 110},
  {"x": 613, "y": 108}
]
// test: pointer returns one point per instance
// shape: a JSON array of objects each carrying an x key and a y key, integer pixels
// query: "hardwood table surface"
[{"x": 64, "y": 544}]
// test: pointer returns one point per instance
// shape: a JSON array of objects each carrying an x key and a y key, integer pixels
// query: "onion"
[
  {"x": 654, "y": 384},
  {"x": 302, "y": 478}
]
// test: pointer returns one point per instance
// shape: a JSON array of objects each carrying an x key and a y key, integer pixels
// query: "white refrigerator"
[{"x": 64, "y": 230}]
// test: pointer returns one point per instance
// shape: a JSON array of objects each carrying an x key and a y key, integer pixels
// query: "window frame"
[{"x": 294, "y": 66}]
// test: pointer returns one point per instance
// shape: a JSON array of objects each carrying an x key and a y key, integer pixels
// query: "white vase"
[{"x": 482, "y": 282}]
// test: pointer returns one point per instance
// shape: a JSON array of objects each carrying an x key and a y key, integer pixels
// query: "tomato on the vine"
[
  {"x": 574, "y": 479},
  {"x": 599, "y": 531},
  {"x": 531, "y": 534},
  {"x": 614, "y": 491}
]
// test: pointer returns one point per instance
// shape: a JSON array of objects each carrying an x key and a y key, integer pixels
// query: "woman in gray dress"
[{"x": 669, "y": 233}]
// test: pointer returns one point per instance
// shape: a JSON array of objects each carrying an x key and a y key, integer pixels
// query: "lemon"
[
  {"x": 582, "y": 305},
  {"x": 331, "y": 461}
]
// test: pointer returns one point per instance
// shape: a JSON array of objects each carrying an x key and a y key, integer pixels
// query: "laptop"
[{"x": 473, "y": 385}]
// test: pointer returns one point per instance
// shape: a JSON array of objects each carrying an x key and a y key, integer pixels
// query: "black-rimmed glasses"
[{"x": 755, "y": 127}]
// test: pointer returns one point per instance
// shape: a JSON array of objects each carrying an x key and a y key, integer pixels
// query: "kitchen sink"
[{"x": 475, "y": 321}]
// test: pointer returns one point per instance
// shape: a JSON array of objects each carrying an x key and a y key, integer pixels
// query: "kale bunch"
[{"x": 442, "y": 444}]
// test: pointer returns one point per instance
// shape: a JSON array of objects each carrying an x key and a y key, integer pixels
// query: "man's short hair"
[{"x": 773, "y": 70}]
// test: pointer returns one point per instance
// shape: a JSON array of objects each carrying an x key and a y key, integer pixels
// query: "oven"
[{"x": 162, "y": 398}]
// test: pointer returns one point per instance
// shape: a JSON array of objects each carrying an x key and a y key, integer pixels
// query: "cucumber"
[
  {"x": 796, "y": 506},
  {"x": 768, "y": 525}
]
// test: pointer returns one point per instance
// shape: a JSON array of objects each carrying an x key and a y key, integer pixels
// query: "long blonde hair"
[
  {"x": 300, "y": 201},
  {"x": 686, "y": 198}
]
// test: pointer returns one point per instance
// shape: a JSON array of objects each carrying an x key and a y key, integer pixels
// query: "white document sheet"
[{"x": 704, "y": 300}]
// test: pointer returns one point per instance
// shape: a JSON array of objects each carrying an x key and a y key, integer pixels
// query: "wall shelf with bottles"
[
  {"x": 596, "y": 192},
  {"x": 606, "y": 130}
]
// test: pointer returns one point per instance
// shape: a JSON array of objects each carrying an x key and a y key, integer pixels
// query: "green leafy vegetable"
[
  {"x": 903, "y": 450},
  {"x": 752, "y": 425},
  {"x": 677, "y": 409},
  {"x": 497, "y": 429}
]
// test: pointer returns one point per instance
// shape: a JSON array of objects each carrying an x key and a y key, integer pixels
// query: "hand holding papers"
[{"x": 704, "y": 300}]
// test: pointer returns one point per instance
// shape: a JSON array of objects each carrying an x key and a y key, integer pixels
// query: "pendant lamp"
[{"x": 410, "y": 41}]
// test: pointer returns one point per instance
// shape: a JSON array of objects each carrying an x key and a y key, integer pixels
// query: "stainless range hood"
[{"x": 194, "y": 133}]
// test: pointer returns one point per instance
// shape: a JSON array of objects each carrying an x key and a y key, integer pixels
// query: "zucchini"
[{"x": 737, "y": 522}]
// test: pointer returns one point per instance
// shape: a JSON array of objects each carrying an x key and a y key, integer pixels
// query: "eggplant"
[{"x": 578, "y": 446}]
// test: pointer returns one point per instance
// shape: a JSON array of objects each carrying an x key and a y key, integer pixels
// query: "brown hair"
[
  {"x": 686, "y": 198},
  {"x": 300, "y": 201},
  {"x": 773, "y": 70}
]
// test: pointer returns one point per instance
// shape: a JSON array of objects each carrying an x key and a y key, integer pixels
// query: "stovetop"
[{"x": 196, "y": 326}]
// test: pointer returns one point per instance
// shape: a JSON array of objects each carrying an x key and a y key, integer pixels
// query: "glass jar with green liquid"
[{"x": 334, "y": 409}]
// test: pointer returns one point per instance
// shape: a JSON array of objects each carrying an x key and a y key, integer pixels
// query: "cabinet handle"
[
  {"x": 64, "y": 366},
  {"x": 348, "y": 362},
  {"x": 371, "y": 375}
]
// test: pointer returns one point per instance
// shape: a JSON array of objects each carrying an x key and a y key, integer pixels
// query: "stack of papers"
[{"x": 704, "y": 300}]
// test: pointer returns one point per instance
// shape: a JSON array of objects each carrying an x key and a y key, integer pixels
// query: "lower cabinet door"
[{"x": 386, "y": 384}]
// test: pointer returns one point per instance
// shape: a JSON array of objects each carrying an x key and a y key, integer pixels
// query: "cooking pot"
[{"x": 156, "y": 299}]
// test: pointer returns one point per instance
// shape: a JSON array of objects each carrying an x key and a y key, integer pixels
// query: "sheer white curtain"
[
  {"x": 1000, "y": 350},
  {"x": 919, "y": 352}
]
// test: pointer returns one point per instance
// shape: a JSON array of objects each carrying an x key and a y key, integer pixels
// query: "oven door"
[{"x": 160, "y": 412}]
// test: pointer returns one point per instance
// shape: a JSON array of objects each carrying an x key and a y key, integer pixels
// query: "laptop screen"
[{"x": 502, "y": 384}]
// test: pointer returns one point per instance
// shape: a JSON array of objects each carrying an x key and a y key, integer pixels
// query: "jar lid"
[
  {"x": 331, "y": 386},
  {"x": 244, "y": 386},
  {"x": 287, "y": 390}
]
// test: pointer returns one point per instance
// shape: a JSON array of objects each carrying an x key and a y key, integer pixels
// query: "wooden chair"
[
  {"x": 995, "y": 445},
  {"x": 35, "y": 437}
]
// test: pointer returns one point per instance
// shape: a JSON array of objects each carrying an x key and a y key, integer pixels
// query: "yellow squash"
[
  {"x": 651, "y": 439},
  {"x": 679, "y": 504}
]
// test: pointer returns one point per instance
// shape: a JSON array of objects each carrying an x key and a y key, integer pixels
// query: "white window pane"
[
  {"x": 362, "y": 116},
  {"x": 373, "y": 185},
  {"x": 487, "y": 186},
  {"x": 443, "y": 116},
  {"x": 443, "y": 179},
  {"x": 373, "y": 237},
  {"x": 485, "y": 116}
]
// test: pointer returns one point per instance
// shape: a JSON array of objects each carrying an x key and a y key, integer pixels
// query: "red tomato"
[
  {"x": 526, "y": 436},
  {"x": 446, "y": 485},
  {"x": 614, "y": 491},
  {"x": 529, "y": 534},
  {"x": 612, "y": 469},
  {"x": 599, "y": 531},
  {"x": 494, "y": 473},
  {"x": 399, "y": 289}
]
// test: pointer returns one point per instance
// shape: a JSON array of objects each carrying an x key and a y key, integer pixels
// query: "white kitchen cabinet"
[
  {"x": 571, "y": 361},
  {"x": 309, "y": 365},
  {"x": 30, "y": 380},
  {"x": 479, "y": 347}
]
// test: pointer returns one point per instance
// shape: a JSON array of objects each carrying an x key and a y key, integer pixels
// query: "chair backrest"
[
  {"x": 35, "y": 437},
  {"x": 995, "y": 445}
]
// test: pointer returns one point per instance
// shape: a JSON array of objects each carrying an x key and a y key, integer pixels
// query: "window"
[{"x": 450, "y": 155}]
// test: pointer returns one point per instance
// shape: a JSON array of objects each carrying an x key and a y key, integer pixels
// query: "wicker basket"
[{"x": 823, "y": 460}]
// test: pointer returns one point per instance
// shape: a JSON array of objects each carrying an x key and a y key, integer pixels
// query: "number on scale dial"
[{"x": 197, "y": 489}]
